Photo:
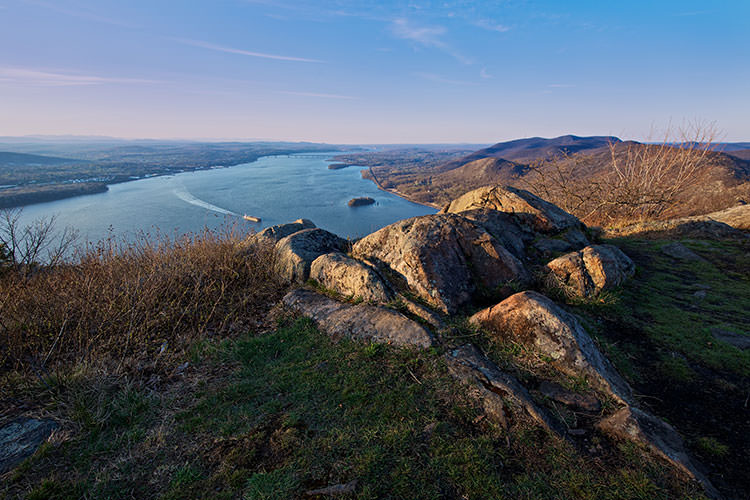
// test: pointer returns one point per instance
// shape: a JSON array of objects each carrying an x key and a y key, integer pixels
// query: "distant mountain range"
[
  {"x": 533, "y": 148},
  {"x": 11, "y": 159},
  {"x": 725, "y": 178}
]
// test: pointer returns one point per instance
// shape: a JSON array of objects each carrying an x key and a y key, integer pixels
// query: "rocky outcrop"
[
  {"x": 275, "y": 233},
  {"x": 296, "y": 252},
  {"x": 421, "y": 311},
  {"x": 362, "y": 322},
  {"x": 566, "y": 241},
  {"x": 633, "y": 424},
  {"x": 535, "y": 321},
  {"x": 444, "y": 259},
  {"x": 499, "y": 393},
  {"x": 575, "y": 400},
  {"x": 539, "y": 214},
  {"x": 589, "y": 272},
  {"x": 349, "y": 277},
  {"x": 504, "y": 227},
  {"x": 21, "y": 438}
]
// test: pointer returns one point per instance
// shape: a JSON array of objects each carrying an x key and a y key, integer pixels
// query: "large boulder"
[
  {"x": 533, "y": 320},
  {"x": 363, "y": 322},
  {"x": 541, "y": 215},
  {"x": 443, "y": 258},
  {"x": 504, "y": 227},
  {"x": 275, "y": 233},
  {"x": 296, "y": 252},
  {"x": 349, "y": 277},
  {"x": 590, "y": 271},
  {"x": 499, "y": 393},
  {"x": 20, "y": 438},
  {"x": 636, "y": 425}
]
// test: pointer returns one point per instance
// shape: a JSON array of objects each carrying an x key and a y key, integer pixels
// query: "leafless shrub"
[
  {"x": 25, "y": 247},
  {"x": 633, "y": 183}
]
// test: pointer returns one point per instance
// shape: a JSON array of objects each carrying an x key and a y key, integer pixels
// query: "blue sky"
[{"x": 367, "y": 72}]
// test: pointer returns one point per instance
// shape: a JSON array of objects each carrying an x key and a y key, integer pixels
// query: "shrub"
[
  {"x": 632, "y": 182},
  {"x": 133, "y": 301}
]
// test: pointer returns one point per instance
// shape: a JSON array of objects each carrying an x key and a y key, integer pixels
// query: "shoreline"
[
  {"x": 123, "y": 180},
  {"x": 374, "y": 179}
]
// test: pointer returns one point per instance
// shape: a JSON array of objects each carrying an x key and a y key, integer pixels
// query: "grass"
[
  {"x": 657, "y": 332},
  {"x": 290, "y": 411},
  {"x": 661, "y": 302},
  {"x": 712, "y": 447},
  {"x": 123, "y": 305},
  {"x": 168, "y": 382}
]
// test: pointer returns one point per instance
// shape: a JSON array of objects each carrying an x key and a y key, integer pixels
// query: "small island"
[
  {"x": 360, "y": 202},
  {"x": 338, "y": 166}
]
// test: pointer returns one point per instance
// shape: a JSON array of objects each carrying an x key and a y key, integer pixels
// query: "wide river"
[{"x": 277, "y": 189}]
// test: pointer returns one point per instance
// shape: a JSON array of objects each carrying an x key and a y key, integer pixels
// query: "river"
[{"x": 277, "y": 189}]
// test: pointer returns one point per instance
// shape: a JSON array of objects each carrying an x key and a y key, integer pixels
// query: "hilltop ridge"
[{"x": 721, "y": 182}]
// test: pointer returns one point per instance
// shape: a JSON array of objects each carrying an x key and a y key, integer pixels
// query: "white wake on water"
[{"x": 187, "y": 197}]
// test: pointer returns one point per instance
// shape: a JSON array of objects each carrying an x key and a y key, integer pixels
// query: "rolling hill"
[
  {"x": 724, "y": 179},
  {"x": 11, "y": 159}
]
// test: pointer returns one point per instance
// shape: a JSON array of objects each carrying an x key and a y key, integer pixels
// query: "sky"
[{"x": 372, "y": 72}]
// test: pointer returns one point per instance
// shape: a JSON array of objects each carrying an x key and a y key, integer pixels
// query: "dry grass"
[{"x": 124, "y": 304}]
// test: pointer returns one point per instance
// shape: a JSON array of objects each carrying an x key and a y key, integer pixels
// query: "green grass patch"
[
  {"x": 711, "y": 447},
  {"x": 298, "y": 412},
  {"x": 676, "y": 304}
]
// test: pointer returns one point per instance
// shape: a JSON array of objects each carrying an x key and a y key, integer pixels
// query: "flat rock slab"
[
  {"x": 690, "y": 227},
  {"x": 533, "y": 320},
  {"x": 661, "y": 438},
  {"x": 679, "y": 251},
  {"x": 20, "y": 438},
  {"x": 362, "y": 322},
  {"x": 556, "y": 392},
  {"x": 738, "y": 340},
  {"x": 499, "y": 393}
]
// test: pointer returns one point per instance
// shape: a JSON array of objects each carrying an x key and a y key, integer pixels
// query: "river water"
[{"x": 277, "y": 189}]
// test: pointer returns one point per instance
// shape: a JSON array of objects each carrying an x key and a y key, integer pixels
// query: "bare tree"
[
  {"x": 635, "y": 182},
  {"x": 25, "y": 247}
]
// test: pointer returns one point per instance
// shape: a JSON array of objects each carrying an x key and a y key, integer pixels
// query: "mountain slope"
[
  {"x": 534, "y": 148},
  {"x": 11, "y": 159},
  {"x": 578, "y": 162}
]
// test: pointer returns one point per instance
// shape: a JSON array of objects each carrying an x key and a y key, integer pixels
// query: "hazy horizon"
[{"x": 339, "y": 72}]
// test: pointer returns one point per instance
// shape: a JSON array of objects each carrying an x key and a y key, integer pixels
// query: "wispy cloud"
[
  {"x": 82, "y": 14},
  {"x": 28, "y": 76},
  {"x": 484, "y": 74},
  {"x": 492, "y": 26},
  {"x": 426, "y": 36},
  {"x": 439, "y": 79},
  {"x": 315, "y": 94},
  {"x": 242, "y": 52},
  {"x": 691, "y": 13}
]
